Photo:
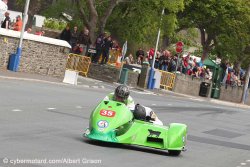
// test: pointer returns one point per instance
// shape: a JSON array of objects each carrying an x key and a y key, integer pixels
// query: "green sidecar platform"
[{"x": 112, "y": 121}]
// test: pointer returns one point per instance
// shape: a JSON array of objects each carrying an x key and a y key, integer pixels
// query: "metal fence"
[
  {"x": 78, "y": 63},
  {"x": 167, "y": 80}
]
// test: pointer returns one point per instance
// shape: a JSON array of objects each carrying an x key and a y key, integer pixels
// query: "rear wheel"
[{"x": 174, "y": 152}]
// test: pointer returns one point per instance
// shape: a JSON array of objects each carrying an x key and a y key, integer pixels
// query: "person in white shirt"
[{"x": 3, "y": 9}]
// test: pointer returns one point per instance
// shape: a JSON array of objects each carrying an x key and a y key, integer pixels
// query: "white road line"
[
  {"x": 196, "y": 99},
  {"x": 51, "y": 108},
  {"x": 16, "y": 110},
  {"x": 79, "y": 107},
  {"x": 170, "y": 104},
  {"x": 243, "y": 164},
  {"x": 248, "y": 160},
  {"x": 153, "y": 104},
  {"x": 145, "y": 93}
]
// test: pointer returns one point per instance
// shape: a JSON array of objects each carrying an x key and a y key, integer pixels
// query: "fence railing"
[
  {"x": 78, "y": 63},
  {"x": 167, "y": 80}
]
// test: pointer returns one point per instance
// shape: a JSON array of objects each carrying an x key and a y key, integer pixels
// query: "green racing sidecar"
[{"x": 112, "y": 121}]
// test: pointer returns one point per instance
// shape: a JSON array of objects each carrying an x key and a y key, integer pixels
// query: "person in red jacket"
[
  {"x": 151, "y": 56},
  {"x": 18, "y": 24}
]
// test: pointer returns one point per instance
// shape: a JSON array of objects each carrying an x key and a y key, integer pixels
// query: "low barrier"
[
  {"x": 113, "y": 56},
  {"x": 78, "y": 63},
  {"x": 167, "y": 80}
]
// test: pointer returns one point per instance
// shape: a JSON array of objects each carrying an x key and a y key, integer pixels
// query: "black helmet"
[
  {"x": 140, "y": 112},
  {"x": 122, "y": 92}
]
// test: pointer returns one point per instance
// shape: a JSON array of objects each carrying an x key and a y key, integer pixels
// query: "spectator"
[
  {"x": 208, "y": 74},
  {"x": 28, "y": 30},
  {"x": 156, "y": 65},
  {"x": 129, "y": 59},
  {"x": 139, "y": 56},
  {"x": 77, "y": 49},
  {"x": 74, "y": 37},
  {"x": 151, "y": 56},
  {"x": 107, "y": 45},
  {"x": 66, "y": 34},
  {"x": 3, "y": 9},
  {"x": 98, "y": 45},
  {"x": 163, "y": 61},
  {"x": 40, "y": 33},
  {"x": 18, "y": 24},
  {"x": 6, "y": 22},
  {"x": 84, "y": 40},
  {"x": 172, "y": 64},
  {"x": 145, "y": 62}
]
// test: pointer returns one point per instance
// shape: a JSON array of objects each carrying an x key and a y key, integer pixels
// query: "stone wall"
[
  {"x": 133, "y": 78},
  {"x": 37, "y": 57},
  {"x": 187, "y": 85},
  {"x": 233, "y": 94},
  {"x": 104, "y": 73},
  {"x": 110, "y": 74}
]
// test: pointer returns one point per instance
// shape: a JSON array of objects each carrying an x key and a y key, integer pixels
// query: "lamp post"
[
  {"x": 151, "y": 73},
  {"x": 19, "y": 48}
]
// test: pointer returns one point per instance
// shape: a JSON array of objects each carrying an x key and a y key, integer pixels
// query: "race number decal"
[{"x": 107, "y": 113}]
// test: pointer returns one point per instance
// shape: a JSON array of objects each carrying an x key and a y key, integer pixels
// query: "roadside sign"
[{"x": 124, "y": 48}]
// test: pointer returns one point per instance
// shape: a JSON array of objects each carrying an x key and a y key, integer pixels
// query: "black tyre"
[{"x": 174, "y": 152}]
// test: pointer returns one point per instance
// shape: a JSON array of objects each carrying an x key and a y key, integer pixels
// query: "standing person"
[
  {"x": 139, "y": 55},
  {"x": 151, "y": 56},
  {"x": 18, "y": 24},
  {"x": 129, "y": 59},
  {"x": 107, "y": 45},
  {"x": 3, "y": 9},
  {"x": 98, "y": 46},
  {"x": 84, "y": 40},
  {"x": 74, "y": 37},
  {"x": 65, "y": 35},
  {"x": 6, "y": 22}
]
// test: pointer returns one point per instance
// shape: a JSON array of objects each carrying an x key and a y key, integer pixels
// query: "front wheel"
[{"x": 174, "y": 152}]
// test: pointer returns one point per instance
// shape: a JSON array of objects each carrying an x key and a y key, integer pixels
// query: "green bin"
[
  {"x": 216, "y": 92},
  {"x": 124, "y": 76}
]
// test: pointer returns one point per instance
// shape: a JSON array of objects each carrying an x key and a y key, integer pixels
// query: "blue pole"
[
  {"x": 17, "y": 60},
  {"x": 19, "y": 48},
  {"x": 150, "y": 79},
  {"x": 151, "y": 73}
]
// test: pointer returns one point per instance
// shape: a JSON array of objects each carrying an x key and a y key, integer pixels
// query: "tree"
[
  {"x": 214, "y": 18},
  {"x": 96, "y": 13},
  {"x": 139, "y": 21}
]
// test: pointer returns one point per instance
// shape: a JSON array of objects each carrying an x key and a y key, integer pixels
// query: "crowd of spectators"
[
  {"x": 81, "y": 43},
  {"x": 187, "y": 64},
  {"x": 166, "y": 61},
  {"x": 231, "y": 76}
]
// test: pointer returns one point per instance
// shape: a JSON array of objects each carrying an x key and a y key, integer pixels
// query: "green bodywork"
[{"x": 123, "y": 128}]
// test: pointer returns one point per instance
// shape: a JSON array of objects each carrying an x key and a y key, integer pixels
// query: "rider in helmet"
[{"x": 122, "y": 94}]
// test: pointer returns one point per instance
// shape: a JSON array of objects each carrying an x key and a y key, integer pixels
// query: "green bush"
[{"x": 55, "y": 24}]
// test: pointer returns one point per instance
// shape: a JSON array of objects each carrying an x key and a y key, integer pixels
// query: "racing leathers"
[{"x": 131, "y": 106}]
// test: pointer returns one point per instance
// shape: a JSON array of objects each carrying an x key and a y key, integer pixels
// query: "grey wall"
[
  {"x": 37, "y": 57},
  {"x": 233, "y": 94},
  {"x": 186, "y": 85},
  {"x": 110, "y": 74}
]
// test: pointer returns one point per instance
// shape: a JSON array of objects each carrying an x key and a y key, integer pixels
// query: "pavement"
[{"x": 92, "y": 83}]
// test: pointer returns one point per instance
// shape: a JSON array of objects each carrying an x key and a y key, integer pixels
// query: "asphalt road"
[{"x": 41, "y": 124}]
